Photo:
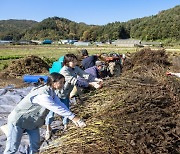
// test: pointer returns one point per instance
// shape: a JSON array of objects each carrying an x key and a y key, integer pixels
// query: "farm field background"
[
  {"x": 113, "y": 113},
  {"x": 53, "y": 52}
]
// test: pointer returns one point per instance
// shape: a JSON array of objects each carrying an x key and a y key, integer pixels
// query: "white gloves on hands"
[
  {"x": 95, "y": 85},
  {"x": 73, "y": 100},
  {"x": 80, "y": 123},
  {"x": 174, "y": 74},
  {"x": 98, "y": 80}
]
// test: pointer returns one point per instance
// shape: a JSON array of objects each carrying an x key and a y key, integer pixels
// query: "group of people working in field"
[{"x": 39, "y": 106}]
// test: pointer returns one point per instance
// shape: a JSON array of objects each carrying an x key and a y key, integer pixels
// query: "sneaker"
[{"x": 48, "y": 135}]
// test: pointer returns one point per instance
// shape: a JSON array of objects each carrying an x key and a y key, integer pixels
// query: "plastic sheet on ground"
[{"x": 9, "y": 97}]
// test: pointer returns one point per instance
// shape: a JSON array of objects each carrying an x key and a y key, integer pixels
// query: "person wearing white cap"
[{"x": 94, "y": 73}]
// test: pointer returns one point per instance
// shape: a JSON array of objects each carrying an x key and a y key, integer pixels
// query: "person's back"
[
  {"x": 57, "y": 65},
  {"x": 28, "y": 115},
  {"x": 89, "y": 62},
  {"x": 94, "y": 71}
]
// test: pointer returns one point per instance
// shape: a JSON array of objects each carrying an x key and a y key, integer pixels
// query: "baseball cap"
[{"x": 98, "y": 63}]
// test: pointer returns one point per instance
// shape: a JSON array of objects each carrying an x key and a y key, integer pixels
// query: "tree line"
[{"x": 163, "y": 26}]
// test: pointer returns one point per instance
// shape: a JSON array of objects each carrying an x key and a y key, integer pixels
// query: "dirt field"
[{"x": 136, "y": 113}]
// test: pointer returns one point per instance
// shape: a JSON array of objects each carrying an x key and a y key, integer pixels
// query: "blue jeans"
[
  {"x": 50, "y": 116},
  {"x": 14, "y": 139}
]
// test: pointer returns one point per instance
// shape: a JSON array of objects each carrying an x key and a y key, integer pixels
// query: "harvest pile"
[
  {"x": 29, "y": 65},
  {"x": 17, "y": 68},
  {"x": 136, "y": 113}
]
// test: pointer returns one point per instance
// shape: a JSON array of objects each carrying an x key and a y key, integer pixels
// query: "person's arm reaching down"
[{"x": 58, "y": 107}]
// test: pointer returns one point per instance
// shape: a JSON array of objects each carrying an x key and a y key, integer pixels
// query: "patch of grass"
[
  {"x": 56, "y": 51},
  {"x": 4, "y": 63},
  {"x": 10, "y": 57}
]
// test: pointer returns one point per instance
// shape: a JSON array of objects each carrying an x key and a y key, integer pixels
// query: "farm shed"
[
  {"x": 127, "y": 42},
  {"x": 5, "y": 42}
]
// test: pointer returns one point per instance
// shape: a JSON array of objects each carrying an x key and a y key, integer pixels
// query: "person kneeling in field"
[
  {"x": 29, "y": 115},
  {"x": 95, "y": 72}
]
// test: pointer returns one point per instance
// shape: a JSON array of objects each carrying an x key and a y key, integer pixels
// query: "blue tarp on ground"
[{"x": 34, "y": 78}]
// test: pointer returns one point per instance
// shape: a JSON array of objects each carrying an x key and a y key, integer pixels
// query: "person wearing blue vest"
[
  {"x": 70, "y": 72},
  {"x": 30, "y": 113}
]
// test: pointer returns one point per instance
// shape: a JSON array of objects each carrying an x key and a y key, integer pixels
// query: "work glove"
[
  {"x": 173, "y": 74},
  {"x": 80, "y": 123},
  {"x": 73, "y": 100},
  {"x": 95, "y": 85},
  {"x": 98, "y": 80},
  {"x": 168, "y": 73}
]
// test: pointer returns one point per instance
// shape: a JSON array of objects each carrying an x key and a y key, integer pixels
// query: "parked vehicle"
[{"x": 47, "y": 42}]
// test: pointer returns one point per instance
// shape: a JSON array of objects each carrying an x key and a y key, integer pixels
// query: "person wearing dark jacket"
[
  {"x": 88, "y": 61},
  {"x": 94, "y": 71}
]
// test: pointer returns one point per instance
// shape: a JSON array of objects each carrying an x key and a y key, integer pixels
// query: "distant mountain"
[
  {"x": 56, "y": 28},
  {"x": 163, "y": 26},
  {"x": 14, "y": 29}
]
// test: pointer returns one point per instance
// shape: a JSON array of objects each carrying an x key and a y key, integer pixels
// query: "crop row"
[{"x": 9, "y": 57}]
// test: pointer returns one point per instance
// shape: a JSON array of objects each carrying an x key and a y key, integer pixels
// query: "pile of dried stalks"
[{"x": 135, "y": 113}]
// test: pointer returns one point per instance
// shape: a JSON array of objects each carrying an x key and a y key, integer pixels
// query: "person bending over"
[
  {"x": 29, "y": 115},
  {"x": 95, "y": 72},
  {"x": 70, "y": 72}
]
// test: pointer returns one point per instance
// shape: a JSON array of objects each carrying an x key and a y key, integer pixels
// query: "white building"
[
  {"x": 80, "y": 43},
  {"x": 5, "y": 42},
  {"x": 127, "y": 42}
]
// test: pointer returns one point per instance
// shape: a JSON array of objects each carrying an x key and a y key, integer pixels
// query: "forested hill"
[
  {"x": 163, "y": 26},
  {"x": 14, "y": 29},
  {"x": 56, "y": 28}
]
